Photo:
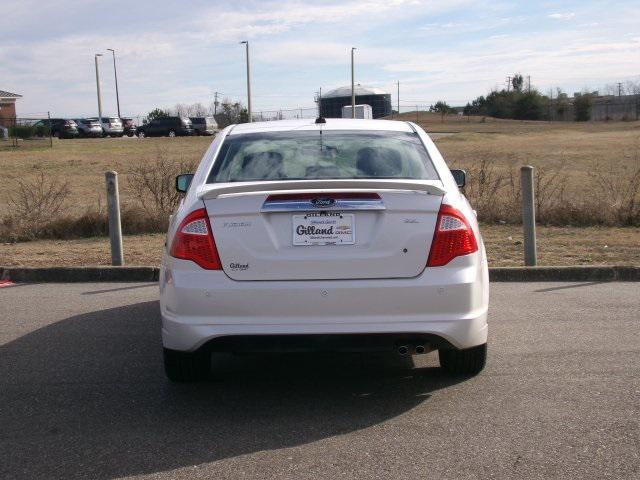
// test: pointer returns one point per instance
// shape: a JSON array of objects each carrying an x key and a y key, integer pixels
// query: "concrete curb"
[
  {"x": 79, "y": 274},
  {"x": 150, "y": 274}
]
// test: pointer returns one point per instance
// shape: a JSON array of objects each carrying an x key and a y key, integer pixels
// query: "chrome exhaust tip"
[
  {"x": 403, "y": 350},
  {"x": 420, "y": 349}
]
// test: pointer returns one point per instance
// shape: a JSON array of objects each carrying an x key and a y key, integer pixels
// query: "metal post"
[
  {"x": 115, "y": 73},
  {"x": 528, "y": 215},
  {"x": 246, "y": 43},
  {"x": 113, "y": 210},
  {"x": 398, "y": 98},
  {"x": 353, "y": 86},
  {"x": 50, "y": 134},
  {"x": 98, "y": 88}
]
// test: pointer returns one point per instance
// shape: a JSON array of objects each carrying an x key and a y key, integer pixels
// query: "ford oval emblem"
[{"x": 323, "y": 202}]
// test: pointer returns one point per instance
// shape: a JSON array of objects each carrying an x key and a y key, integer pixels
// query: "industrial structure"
[{"x": 331, "y": 103}]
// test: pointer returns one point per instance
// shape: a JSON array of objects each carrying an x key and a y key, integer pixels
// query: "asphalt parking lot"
[{"x": 83, "y": 395}]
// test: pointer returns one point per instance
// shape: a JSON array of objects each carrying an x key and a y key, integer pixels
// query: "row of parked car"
[{"x": 118, "y": 127}]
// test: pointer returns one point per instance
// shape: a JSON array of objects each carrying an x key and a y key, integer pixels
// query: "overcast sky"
[{"x": 183, "y": 51}]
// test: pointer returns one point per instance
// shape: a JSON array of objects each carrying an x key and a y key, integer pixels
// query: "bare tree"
[{"x": 198, "y": 110}]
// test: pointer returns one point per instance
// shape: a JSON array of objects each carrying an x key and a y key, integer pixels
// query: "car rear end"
[
  {"x": 185, "y": 127},
  {"x": 350, "y": 235},
  {"x": 112, "y": 126},
  {"x": 129, "y": 127},
  {"x": 90, "y": 127},
  {"x": 69, "y": 129}
]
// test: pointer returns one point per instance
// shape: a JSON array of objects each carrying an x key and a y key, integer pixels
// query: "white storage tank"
[{"x": 362, "y": 111}]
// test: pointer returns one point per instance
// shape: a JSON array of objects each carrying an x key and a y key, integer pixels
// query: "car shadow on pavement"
[{"x": 86, "y": 397}]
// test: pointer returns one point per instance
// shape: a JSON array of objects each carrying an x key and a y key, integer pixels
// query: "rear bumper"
[{"x": 198, "y": 306}]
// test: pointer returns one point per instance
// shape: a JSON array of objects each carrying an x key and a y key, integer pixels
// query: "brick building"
[{"x": 8, "y": 108}]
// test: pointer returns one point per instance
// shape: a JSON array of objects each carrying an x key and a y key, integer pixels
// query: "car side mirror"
[
  {"x": 183, "y": 181},
  {"x": 460, "y": 176}
]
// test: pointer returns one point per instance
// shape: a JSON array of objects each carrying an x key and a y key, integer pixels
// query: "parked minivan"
[
  {"x": 166, "y": 127},
  {"x": 204, "y": 125}
]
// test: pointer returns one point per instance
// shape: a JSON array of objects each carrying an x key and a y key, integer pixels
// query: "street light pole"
[
  {"x": 246, "y": 43},
  {"x": 115, "y": 73},
  {"x": 98, "y": 88},
  {"x": 353, "y": 87}
]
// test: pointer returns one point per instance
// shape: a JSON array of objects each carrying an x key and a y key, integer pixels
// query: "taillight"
[
  {"x": 453, "y": 237},
  {"x": 194, "y": 241}
]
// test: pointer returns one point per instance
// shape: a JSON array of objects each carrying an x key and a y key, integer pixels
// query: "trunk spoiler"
[{"x": 217, "y": 190}]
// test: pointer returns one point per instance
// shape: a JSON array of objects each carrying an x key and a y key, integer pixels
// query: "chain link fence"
[{"x": 26, "y": 133}]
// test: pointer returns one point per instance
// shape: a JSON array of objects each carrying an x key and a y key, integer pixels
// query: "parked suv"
[
  {"x": 60, "y": 127},
  {"x": 112, "y": 126},
  {"x": 204, "y": 125},
  {"x": 166, "y": 127},
  {"x": 336, "y": 235},
  {"x": 89, "y": 127},
  {"x": 129, "y": 127}
]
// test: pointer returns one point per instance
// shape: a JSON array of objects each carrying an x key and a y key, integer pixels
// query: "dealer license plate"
[{"x": 324, "y": 228}]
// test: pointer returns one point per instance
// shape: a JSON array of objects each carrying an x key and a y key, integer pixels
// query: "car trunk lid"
[{"x": 323, "y": 229}]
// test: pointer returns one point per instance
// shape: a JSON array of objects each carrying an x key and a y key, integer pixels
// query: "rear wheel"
[
  {"x": 172, "y": 133},
  {"x": 184, "y": 367},
  {"x": 141, "y": 134},
  {"x": 469, "y": 361}
]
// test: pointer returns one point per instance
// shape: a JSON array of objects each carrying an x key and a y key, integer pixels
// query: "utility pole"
[
  {"x": 353, "y": 87},
  {"x": 529, "y": 83},
  {"x": 115, "y": 73},
  {"x": 215, "y": 103},
  {"x": 619, "y": 89},
  {"x": 246, "y": 43},
  {"x": 398, "y": 98},
  {"x": 508, "y": 83},
  {"x": 98, "y": 88}
]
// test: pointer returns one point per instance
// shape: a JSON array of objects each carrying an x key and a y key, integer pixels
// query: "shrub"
[
  {"x": 37, "y": 202},
  {"x": 22, "y": 131},
  {"x": 582, "y": 107},
  {"x": 154, "y": 186}
]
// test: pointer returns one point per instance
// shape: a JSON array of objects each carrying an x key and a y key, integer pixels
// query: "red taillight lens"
[
  {"x": 194, "y": 241},
  {"x": 453, "y": 237}
]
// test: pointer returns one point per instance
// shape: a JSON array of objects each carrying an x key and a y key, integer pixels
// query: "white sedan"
[{"x": 325, "y": 235}]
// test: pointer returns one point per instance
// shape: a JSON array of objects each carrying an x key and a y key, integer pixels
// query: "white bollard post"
[
  {"x": 528, "y": 216},
  {"x": 113, "y": 210}
]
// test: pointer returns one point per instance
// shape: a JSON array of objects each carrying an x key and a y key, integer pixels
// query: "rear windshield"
[{"x": 332, "y": 154}]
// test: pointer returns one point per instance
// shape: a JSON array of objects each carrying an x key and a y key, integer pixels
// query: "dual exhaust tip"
[{"x": 405, "y": 349}]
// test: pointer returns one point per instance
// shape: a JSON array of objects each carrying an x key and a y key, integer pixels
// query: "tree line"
[
  {"x": 226, "y": 112},
  {"x": 520, "y": 103}
]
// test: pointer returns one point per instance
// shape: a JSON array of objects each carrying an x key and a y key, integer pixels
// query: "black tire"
[
  {"x": 185, "y": 367},
  {"x": 172, "y": 133},
  {"x": 469, "y": 361}
]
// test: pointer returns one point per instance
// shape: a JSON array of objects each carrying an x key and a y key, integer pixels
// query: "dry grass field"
[
  {"x": 574, "y": 150},
  {"x": 582, "y": 168}
]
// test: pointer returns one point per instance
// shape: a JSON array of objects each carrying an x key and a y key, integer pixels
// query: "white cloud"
[{"x": 562, "y": 16}]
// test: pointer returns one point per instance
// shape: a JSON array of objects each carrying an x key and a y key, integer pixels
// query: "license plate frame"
[{"x": 333, "y": 228}]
